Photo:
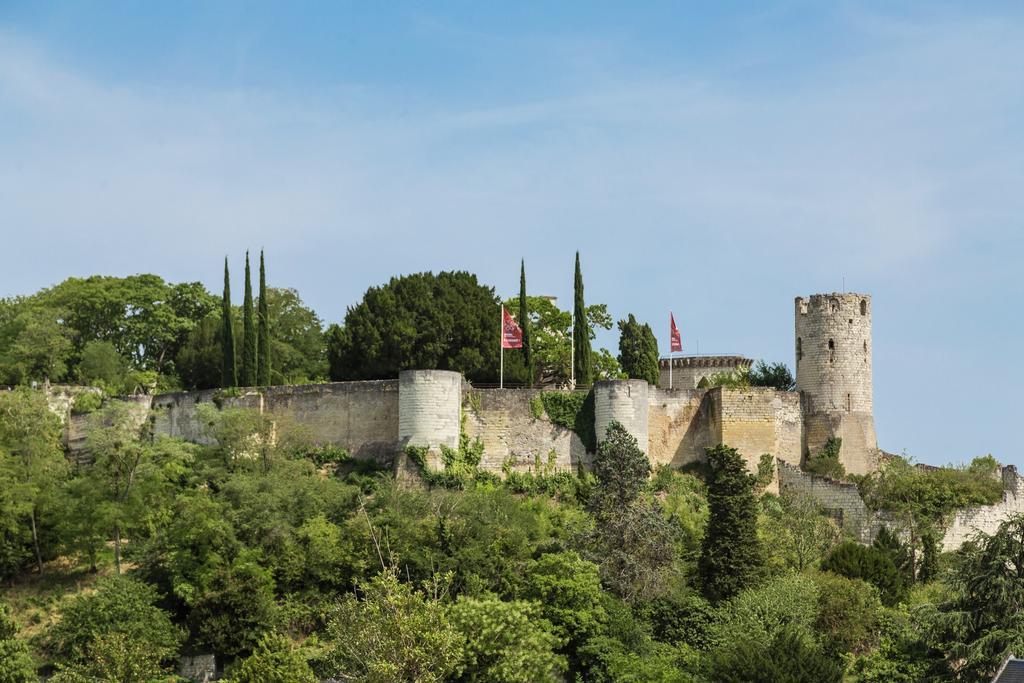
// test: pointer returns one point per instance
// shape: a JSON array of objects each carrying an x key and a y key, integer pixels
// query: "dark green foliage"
[
  {"x": 446, "y": 321},
  {"x": 929, "y": 569},
  {"x": 236, "y": 609},
  {"x": 572, "y": 410},
  {"x": 680, "y": 618},
  {"x": 582, "y": 360},
  {"x": 848, "y": 614},
  {"x": 524, "y": 325},
  {"x": 250, "y": 348},
  {"x": 638, "y": 350},
  {"x": 229, "y": 377},
  {"x": 621, "y": 469},
  {"x": 776, "y": 376},
  {"x": 791, "y": 658},
  {"x": 855, "y": 561},
  {"x": 826, "y": 463},
  {"x": 200, "y": 358},
  {"x": 890, "y": 544},
  {"x": 263, "y": 345},
  {"x": 101, "y": 365},
  {"x": 119, "y": 607},
  {"x": 731, "y": 557},
  {"x": 984, "y": 621}
]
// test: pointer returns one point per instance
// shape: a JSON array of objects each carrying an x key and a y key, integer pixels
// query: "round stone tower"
[
  {"x": 833, "y": 376},
  {"x": 429, "y": 402},
  {"x": 623, "y": 401}
]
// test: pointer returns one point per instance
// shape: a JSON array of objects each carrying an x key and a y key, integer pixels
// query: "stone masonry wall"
[
  {"x": 987, "y": 518},
  {"x": 688, "y": 371},
  {"x": 679, "y": 426},
  {"x": 759, "y": 420},
  {"x": 503, "y": 420},
  {"x": 839, "y": 499},
  {"x": 625, "y": 401}
]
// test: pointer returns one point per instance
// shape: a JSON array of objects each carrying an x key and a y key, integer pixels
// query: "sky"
[{"x": 713, "y": 159}]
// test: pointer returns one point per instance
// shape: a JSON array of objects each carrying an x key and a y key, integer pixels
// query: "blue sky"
[{"x": 713, "y": 161}]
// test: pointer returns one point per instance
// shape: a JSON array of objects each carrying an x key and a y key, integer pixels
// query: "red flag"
[
  {"x": 511, "y": 334},
  {"x": 676, "y": 342}
]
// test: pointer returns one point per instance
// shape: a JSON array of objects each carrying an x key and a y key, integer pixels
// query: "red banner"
[
  {"x": 511, "y": 333},
  {"x": 676, "y": 341}
]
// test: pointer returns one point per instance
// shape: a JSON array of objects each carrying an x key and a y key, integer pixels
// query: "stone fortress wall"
[{"x": 376, "y": 420}]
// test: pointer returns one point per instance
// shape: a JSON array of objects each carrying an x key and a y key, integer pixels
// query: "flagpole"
[
  {"x": 670, "y": 352},
  {"x": 501, "y": 345}
]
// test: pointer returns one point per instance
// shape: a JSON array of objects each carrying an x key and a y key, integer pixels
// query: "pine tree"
[
  {"x": 249, "y": 341},
  {"x": 730, "y": 554},
  {"x": 229, "y": 376},
  {"x": 583, "y": 362},
  {"x": 638, "y": 350},
  {"x": 263, "y": 369},
  {"x": 524, "y": 324}
]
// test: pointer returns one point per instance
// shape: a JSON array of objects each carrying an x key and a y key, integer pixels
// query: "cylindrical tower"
[
  {"x": 429, "y": 402},
  {"x": 623, "y": 401},
  {"x": 833, "y": 375}
]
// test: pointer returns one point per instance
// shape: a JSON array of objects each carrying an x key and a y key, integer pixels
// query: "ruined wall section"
[
  {"x": 625, "y": 401},
  {"x": 987, "y": 518},
  {"x": 840, "y": 500},
  {"x": 504, "y": 421}
]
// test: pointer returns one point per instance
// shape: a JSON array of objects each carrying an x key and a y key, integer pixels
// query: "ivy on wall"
[{"x": 572, "y": 410}]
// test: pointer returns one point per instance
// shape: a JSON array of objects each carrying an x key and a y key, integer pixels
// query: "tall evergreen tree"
[
  {"x": 229, "y": 375},
  {"x": 263, "y": 369},
  {"x": 524, "y": 324},
  {"x": 583, "y": 362},
  {"x": 249, "y": 341},
  {"x": 638, "y": 350},
  {"x": 730, "y": 554}
]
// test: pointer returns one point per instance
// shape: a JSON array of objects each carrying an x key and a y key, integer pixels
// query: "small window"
[
  {"x": 863, "y": 306},
  {"x": 835, "y": 305},
  {"x": 799, "y": 349},
  {"x": 849, "y": 403},
  {"x": 831, "y": 351}
]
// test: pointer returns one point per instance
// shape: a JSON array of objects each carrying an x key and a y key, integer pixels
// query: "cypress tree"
[
  {"x": 638, "y": 350},
  {"x": 524, "y": 324},
  {"x": 229, "y": 376},
  {"x": 263, "y": 369},
  {"x": 249, "y": 341},
  {"x": 730, "y": 554},
  {"x": 584, "y": 364}
]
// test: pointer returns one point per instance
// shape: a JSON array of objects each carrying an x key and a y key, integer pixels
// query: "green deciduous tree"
[
  {"x": 250, "y": 348},
  {"x": 263, "y": 363},
  {"x": 638, "y": 350},
  {"x": 37, "y": 346},
  {"x": 848, "y": 613},
  {"x": 584, "y": 364},
  {"x": 275, "y": 660},
  {"x": 229, "y": 372},
  {"x": 32, "y": 463},
  {"x": 116, "y": 628},
  {"x": 422, "y": 321},
  {"x": 101, "y": 365},
  {"x": 731, "y": 558},
  {"x": 797, "y": 531},
  {"x": 506, "y": 642},
  {"x": 392, "y": 634},
  {"x": 776, "y": 376}
]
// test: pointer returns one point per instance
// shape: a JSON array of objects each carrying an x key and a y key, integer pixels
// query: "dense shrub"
[{"x": 855, "y": 561}]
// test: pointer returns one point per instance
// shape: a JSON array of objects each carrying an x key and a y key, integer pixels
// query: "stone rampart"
[
  {"x": 987, "y": 518},
  {"x": 679, "y": 426},
  {"x": 841, "y": 500},
  {"x": 688, "y": 371},
  {"x": 429, "y": 403},
  {"x": 504, "y": 422},
  {"x": 759, "y": 420}
]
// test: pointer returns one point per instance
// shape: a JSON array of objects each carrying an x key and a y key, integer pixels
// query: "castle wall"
[
  {"x": 503, "y": 420},
  {"x": 429, "y": 403},
  {"x": 840, "y": 500},
  {"x": 759, "y": 420},
  {"x": 688, "y": 371},
  {"x": 624, "y": 401},
  {"x": 987, "y": 518},
  {"x": 679, "y": 426}
]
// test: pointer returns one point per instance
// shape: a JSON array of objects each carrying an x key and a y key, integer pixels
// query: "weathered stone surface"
[
  {"x": 688, "y": 371},
  {"x": 625, "y": 401}
]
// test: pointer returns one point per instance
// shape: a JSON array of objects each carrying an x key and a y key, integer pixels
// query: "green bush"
[
  {"x": 275, "y": 660},
  {"x": 792, "y": 657},
  {"x": 16, "y": 665},
  {"x": 86, "y": 402},
  {"x": 855, "y": 561},
  {"x": 826, "y": 463}
]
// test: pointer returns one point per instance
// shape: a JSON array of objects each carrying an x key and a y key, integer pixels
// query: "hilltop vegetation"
[{"x": 283, "y": 557}]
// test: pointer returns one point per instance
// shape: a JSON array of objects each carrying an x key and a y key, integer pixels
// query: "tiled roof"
[{"x": 1011, "y": 672}]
